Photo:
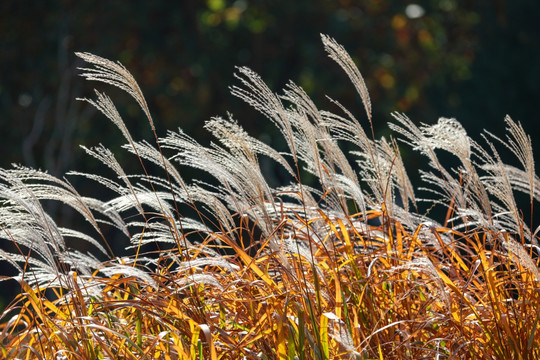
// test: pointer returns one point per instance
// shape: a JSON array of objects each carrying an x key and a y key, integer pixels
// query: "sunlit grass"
[{"x": 284, "y": 273}]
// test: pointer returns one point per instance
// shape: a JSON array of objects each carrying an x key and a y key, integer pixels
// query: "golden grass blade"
[{"x": 324, "y": 337}]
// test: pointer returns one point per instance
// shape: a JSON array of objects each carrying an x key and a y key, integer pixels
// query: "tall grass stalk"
[{"x": 347, "y": 267}]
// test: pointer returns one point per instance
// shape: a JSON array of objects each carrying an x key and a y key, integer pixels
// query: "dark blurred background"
[{"x": 473, "y": 60}]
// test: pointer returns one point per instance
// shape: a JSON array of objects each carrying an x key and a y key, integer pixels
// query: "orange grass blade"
[
  {"x": 38, "y": 303},
  {"x": 250, "y": 262}
]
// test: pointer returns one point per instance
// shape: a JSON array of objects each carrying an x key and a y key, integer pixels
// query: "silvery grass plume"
[{"x": 293, "y": 218}]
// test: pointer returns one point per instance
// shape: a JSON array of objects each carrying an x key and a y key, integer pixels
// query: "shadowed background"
[{"x": 475, "y": 61}]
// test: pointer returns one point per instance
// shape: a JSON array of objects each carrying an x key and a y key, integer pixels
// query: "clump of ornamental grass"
[{"x": 348, "y": 268}]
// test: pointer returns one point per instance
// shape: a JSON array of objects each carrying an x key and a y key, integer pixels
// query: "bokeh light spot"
[
  {"x": 414, "y": 11},
  {"x": 25, "y": 100},
  {"x": 399, "y": 22},
  {"x": 216, "y": 5}
]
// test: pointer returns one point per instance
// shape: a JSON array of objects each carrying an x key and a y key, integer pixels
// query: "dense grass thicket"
[{"x": 234, "y": 268}]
